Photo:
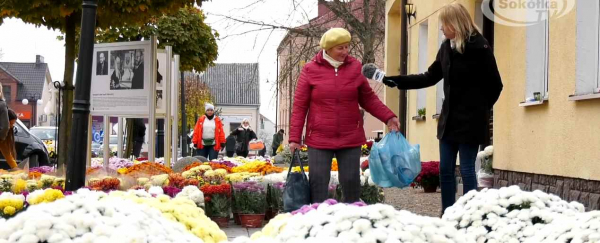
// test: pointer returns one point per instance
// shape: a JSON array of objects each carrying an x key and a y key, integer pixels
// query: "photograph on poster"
[
  {"x": 159, "y": 77},
  {"x": 127, "y": 69},
  {"x": 159, "y": 99},
  {"x": 102, "y": 63}
]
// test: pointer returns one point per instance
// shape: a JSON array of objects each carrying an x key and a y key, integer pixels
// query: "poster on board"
[
  {"x": 121, "y": 80},
  {"x": 161, "y": 79}
]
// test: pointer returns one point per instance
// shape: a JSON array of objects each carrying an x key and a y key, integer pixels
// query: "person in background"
[
  {"x": 244, "y": 135},
  {"x": 472, "y": 85},
  {"x": 328, "y": 95},
  {"x": 7, "y": 142},
  {"x": 263, "y": 152},
  {"x": 209, "y": 136},
  {"x": 277, "y": 140},
  {"x": 139, "y": 129},
  {"x": 230, "y": 146}
]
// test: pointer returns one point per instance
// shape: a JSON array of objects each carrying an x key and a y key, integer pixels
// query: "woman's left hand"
[{"x": 394, "y": 124}]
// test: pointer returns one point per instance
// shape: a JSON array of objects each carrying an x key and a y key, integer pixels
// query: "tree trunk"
[{"x": 66, "y": 118}]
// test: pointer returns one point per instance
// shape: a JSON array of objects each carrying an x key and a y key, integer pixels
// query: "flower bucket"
[
  {"x": 222, "y": 222},
  {"x": 270, "y": 214},
  {"x": 430, "y": 188},
  {"x": 252, "y": 220},
  {"x": 236, "y": 219}
]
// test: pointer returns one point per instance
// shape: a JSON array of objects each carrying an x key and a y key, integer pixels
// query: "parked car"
[
  {"x": 28, "y": 146},
  {"x": 113, "y": 144},
  {"x": 96, "y": 147},
  {"x": 45, "y": 133}
]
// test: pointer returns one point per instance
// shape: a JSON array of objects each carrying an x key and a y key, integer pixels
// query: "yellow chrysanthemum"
[
  {"x": 9, "y": 210},
  {"x": 19, "y": 186},
  {"x": 122, "y": 170},
  {"x": 221, "y": 172}
]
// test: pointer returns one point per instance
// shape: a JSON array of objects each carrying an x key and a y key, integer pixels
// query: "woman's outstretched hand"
[
  {"x": 388, "y": 82},
  {"x": 394, "y": 124},
  {"x": 294, "y": 147}
]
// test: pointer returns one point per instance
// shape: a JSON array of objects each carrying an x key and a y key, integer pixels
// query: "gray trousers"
[{"x": 319, "y": 161}]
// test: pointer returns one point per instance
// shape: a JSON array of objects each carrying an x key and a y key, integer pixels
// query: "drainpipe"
[{"x": 403, "y": 66}]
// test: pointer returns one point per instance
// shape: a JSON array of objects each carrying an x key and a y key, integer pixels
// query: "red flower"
[{"x": 365, "y": 165}]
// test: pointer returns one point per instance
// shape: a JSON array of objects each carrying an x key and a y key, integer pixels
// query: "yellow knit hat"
[{"x": 334, "y": 37}]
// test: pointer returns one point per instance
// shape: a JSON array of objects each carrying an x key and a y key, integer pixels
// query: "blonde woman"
[
  {"x": 6, "y": 147},
  {"x": 472, "y": 85}
]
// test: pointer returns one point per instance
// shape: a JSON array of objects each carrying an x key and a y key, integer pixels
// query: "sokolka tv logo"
[{"x": 521, "y": 13}]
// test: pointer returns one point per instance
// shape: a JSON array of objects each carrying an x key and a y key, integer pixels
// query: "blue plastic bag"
[{"x": 394, "y": 162}]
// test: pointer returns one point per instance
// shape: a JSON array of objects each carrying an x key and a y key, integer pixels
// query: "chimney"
[
  {"x": 323, "y": 10},
  {"x": 39, "y": 59}
]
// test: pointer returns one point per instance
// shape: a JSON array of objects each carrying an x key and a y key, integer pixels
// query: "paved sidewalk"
[{"x": 235, "y": 230}]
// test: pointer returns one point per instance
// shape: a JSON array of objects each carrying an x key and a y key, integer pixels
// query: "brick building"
[{"x": 30, "y": 81}]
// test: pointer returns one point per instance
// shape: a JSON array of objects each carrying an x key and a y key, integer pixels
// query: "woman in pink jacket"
[{"x": 329, "y": 93}]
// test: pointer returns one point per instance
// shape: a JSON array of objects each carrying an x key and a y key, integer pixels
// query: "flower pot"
[
  {"x": 270, "y": 214},
  {"x": 252, "y": 220},
  {"x": 222, "y": 222},
  {"x": 236, "y": 219},
  {"x": 430, "y": 188}
]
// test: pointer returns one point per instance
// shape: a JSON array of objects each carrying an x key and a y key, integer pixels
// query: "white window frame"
[
  {"x": 587, "y": 82},
  {"x": 422, "y": 65},
  {"x": 532, "y": 63}
]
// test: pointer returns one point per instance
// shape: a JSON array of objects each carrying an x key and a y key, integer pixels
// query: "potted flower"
[
  {"x": 429, "y": 178},
  {"x": 217, "y": 200},
  {"x": 370, "y": 193},
  {"x": 250, "y": 203},
  {"x": 485, "y": 175},
  {"x": 274, "y": 199}
]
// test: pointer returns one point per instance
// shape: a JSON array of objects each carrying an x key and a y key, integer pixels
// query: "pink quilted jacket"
[{"x": 331, "y": 98}]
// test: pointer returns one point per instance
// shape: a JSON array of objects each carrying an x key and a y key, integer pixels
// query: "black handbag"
[{"x": 297, "y": 188}]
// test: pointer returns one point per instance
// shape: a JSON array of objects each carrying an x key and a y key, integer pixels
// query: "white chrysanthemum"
[
  {"x": 192, "y": 193},
  {"x": 489, "y": 150},
  {"x": 92, "y": 217},
  {"x": 156, "y": 190}
]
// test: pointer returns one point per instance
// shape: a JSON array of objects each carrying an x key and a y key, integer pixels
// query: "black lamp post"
[{"x": 76, "y": 160}]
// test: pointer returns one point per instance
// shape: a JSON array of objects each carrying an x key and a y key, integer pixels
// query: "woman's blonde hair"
[
  {"x": 1, "y": 92},
  {"x": 457, "y": 16}
]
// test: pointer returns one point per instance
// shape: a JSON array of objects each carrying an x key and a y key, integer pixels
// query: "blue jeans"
[
  {"x": 208, "y": 152},
  {"x": 448, "y": 152}
]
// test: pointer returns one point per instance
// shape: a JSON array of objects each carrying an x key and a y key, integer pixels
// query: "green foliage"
[
  {"x": 371, "y": 194},
  {"x": 53, "y": 14},
  {"x": 184, "y": 30},
  {"x": 422, "y": 112},
  {"x": 218, "y": 206},
  {"x": 250, "y": 199},
  {"x": 196, "y": 95}
]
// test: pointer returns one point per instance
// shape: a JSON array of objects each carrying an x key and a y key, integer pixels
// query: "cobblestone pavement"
[{"x": 415, "y": 201}]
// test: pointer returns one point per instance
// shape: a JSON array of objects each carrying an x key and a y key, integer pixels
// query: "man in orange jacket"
[{"x": 209, "y": 137}]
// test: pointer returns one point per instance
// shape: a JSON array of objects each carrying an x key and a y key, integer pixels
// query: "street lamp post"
[
  {"x": 33, "y": 116},
  {"x": 76, "y": 161}
]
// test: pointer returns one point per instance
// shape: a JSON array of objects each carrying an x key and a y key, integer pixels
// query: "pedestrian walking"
[
  {"x": 209, "y": 137},
  {"x": 230, "y": 146},
  {"x": 277, "y": 140},
  {"x": 244, "y": 134}
]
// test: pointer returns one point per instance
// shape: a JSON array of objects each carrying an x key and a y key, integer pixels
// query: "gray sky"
[{"x": 25, "y": 40}]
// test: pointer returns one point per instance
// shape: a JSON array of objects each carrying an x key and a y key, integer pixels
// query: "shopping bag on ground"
[
  {"x": 297, "y": 190},
  {"x": 394, "y": 162}
]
